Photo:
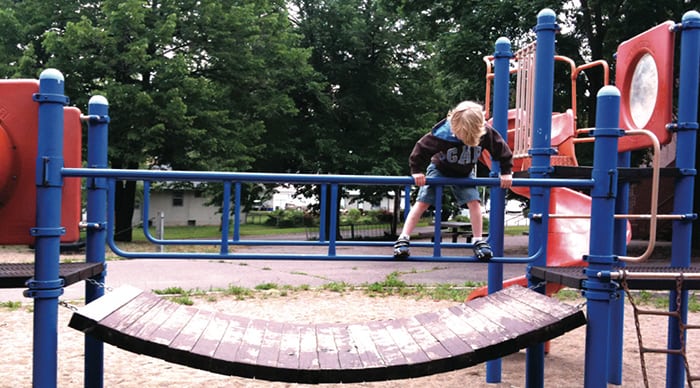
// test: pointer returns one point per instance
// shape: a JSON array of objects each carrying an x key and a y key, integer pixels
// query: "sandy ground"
[{"x": 564, "y": 364}]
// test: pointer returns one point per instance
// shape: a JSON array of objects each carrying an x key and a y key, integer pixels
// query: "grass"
[
  {"x": 11, "y": 305},
  {"x": 213, "y": 232}
]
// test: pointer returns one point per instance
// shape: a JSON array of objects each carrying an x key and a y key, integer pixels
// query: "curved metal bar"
[{"x": 654, "y": 195}]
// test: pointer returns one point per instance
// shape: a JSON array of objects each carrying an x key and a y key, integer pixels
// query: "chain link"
[
  {"x": 67, "y": 305},
  {"x": 638, "y": 327},
  {"x": 92, "y": 281},
  {"x": 99, "y": 284}
]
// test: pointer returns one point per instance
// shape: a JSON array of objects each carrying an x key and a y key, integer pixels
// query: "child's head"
[{"x": 467, "y": 122}]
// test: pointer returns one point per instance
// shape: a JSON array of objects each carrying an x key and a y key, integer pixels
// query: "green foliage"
[
  {"x": 266, "y": 286},
  {"x": 11, "y": 305}
]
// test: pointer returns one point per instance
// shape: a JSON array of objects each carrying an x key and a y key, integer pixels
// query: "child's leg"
[
  {"x": 482, "y": 250},
  {"x": 476, "y": 218},
  {"x": 413, "y": 217}
]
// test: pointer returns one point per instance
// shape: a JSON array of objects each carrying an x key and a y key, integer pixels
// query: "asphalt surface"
[{"x": 158, "y": 274}]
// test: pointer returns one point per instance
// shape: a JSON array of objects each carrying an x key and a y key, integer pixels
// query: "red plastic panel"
[
  {"x": 18, "y": 145},
  {"x": 657, "y": 44}
]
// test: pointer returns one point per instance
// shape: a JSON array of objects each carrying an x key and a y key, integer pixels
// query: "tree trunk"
[{"x": 124, "y": 195}]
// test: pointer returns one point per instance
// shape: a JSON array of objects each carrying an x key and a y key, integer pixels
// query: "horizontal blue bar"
[{"x": 220, "y": 176}]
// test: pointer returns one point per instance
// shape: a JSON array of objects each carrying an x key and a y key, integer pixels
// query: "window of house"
[{"x": 178, "y": 198}]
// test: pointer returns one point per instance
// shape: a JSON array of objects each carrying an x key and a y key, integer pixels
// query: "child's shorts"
[{"x": 463, "y": 194}]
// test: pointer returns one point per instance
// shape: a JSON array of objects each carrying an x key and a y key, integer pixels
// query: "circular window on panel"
[{"x": 643, "y": 90}]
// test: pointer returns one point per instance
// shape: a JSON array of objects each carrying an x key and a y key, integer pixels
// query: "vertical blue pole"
[
  {"x": 322, "y": 210},
  {"x": 617, "y": 313},
  {"x": 501, "y": 83},
  {"x": 225, "y": 217},
  {"x": 406, "y": 201},
  {"x": 541, "y": 154},
  {"x": 599, "y": 292},
  {"x": 437, "y": 246},
  {"x": 46, "y": 286},
  {"x": 687, "y": 128},
  {"x": 334, "y": 219},
  {"x": 96, "y": 234}
]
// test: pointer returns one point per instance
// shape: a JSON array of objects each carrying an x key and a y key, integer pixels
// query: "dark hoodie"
[{"x": 452, "y": 157}]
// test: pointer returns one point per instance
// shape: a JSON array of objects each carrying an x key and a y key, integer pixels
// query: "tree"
[
  {"x": 191, "y": 84},
  {"x": 380, "y": 93}
]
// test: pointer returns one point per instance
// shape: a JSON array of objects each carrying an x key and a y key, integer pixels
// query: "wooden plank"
[
  {"x": 478, "y": 332},
  {"x": 289, "y": 346},
  {"x": 147, "y": 317},
  {"x": 232, "y": 339},
  {"x": 347, "y": 353},
  {"x": 190, "y": 333},
  {"x": 412, "y": 352},
  {"x": 427, "y": 342},
  {"x": 366, "y": 348},
  {"x": 440, "y": 331},
  {"x": 166, "y": 333},
  {"x": 388, "y": 349},
  {"x": 327, "y": 351},
  {"x": 494, "y": 311},
  {"x": 309, "y": 357},
  {"x": 252, "y": 339},
  {"x": 109, "y": 303},
  {"x": 162, "y": 314},
  {"x": 269, "y": 347},
  {"x": 540, "y": 302},
  {"x": 131, "y": 312},
  {"x": 209, "y": 341}
]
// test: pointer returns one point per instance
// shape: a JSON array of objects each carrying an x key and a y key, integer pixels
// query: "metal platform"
[
  {"x": 16, "y": 275},
  {"x": 574, "y": 276}
]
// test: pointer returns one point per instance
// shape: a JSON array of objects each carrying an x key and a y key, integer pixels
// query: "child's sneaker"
[
  {"x": 482, "y": 250},
  {"x": 401, "y": 249}
]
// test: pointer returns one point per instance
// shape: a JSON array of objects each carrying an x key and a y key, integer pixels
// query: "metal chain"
[
  {"x": 682, "y": 330},
  {"x": 92, "y": 281},
  {"x": 99, "y": 284},
  {"x": 638, "y": 327},
  {"x": 67, "y": 305}
]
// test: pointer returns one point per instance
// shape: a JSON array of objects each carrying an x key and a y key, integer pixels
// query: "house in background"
[{"x": 187, "y": 206}]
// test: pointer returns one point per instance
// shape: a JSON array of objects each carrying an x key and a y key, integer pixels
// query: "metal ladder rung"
[{"x": 664, "y": 351}]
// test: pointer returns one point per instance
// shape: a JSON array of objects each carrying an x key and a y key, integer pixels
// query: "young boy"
[{"x": 452, "y": 149}]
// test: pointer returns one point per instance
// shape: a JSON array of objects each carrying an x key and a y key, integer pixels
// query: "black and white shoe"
[
  {"x": 482, "y": 250},
  {"x": 401, "y": 249}
]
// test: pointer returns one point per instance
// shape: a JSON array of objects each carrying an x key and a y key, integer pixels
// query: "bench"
[{"x": 455, "y": 229}]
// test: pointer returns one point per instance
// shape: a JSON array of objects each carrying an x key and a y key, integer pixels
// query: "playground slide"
[{"x": 567, "y": 239}]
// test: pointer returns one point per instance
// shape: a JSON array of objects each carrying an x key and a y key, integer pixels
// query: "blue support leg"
[
  {"x": 46, "y": 286},
  {"x": 96, "y": 234}
]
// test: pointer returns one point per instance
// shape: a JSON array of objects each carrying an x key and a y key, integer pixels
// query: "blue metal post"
[
  {"x": 617, "y": 314},
  {"x": 96, "y": 233},
  {"x": 333, "y": 227},
  {"x": 541, "y": 154},
  {"x": 600, "y": 291},
  {"x": 687, "y": 128},
  {"x": 501, "y": 83},
  {"x": 46, "y": 286}
]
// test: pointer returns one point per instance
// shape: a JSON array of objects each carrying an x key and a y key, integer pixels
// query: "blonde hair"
[{"x": 467, "y": 122}]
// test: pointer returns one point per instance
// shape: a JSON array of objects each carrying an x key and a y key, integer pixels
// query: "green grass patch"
[
  {"x": 337, "y": 287},
  {"x": 238, "y": 292},
  {"x": 266, "y": 286},
  {"x": 11, "y": 305},
  {"x": 171, "y": 291}
]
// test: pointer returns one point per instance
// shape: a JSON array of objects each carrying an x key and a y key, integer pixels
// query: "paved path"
[
  {"x": 152, "y": 274},
  {"x": 207, "y": 274}
]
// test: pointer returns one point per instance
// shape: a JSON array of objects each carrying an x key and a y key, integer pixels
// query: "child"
[{"x": 452, "y": 149}]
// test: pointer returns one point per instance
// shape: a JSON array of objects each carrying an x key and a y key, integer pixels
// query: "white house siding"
[{"x": 192, "y": 211}]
